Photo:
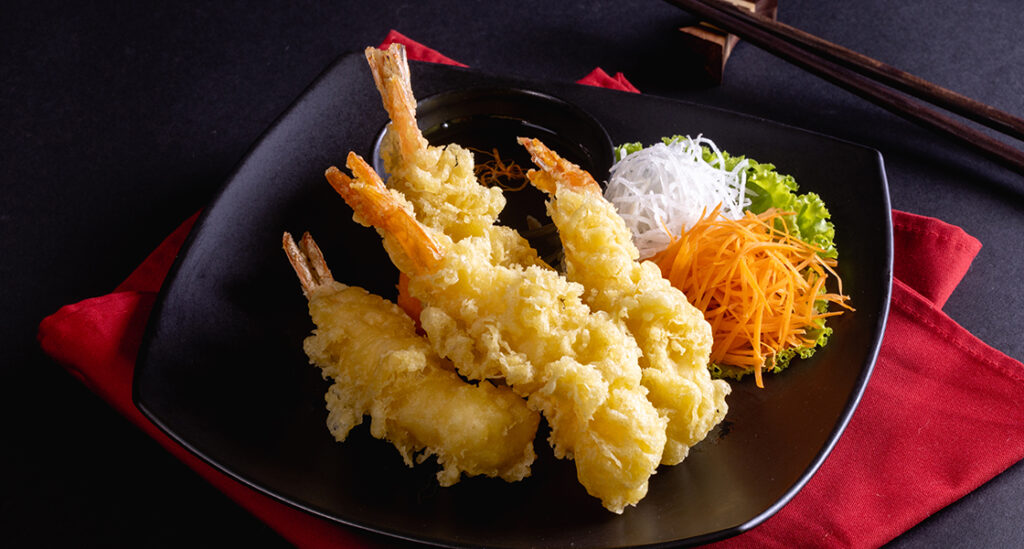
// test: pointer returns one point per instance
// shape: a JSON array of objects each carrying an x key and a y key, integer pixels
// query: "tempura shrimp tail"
[
  {"x": 555, "y": 171},
  {"x": 390, "y": 70},
  {"x": 672, "y": 334},
  {"x": 308, "y": 262},
  {"x": 383, "y": 369},
  {"x": 374, "y": 205}
]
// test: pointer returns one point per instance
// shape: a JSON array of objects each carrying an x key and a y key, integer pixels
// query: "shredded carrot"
[
  {"x": 760, "y": 287},
  {"x": 497, "y": 172}
]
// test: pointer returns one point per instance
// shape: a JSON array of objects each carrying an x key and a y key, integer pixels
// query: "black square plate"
[{"x": 222, "y": 370}]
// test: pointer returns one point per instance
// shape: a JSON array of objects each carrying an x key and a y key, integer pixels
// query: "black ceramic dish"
[{"x": 222, "y": 370}]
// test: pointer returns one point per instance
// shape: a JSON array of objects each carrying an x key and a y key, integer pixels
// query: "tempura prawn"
[
  {"x": 672, "y": 333},
  {"x": 415, "y": 400},
  {"x": 438, "y": 181},
  {"x": 527, "y": 326}
]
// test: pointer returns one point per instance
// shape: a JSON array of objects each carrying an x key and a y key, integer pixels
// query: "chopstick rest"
[{"x": 710, "y": 46}]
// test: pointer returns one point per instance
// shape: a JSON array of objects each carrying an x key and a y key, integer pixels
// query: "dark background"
[{"x": 119, "y": 120}]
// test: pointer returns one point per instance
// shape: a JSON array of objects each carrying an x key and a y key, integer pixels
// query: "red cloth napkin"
[{"x": 943, "y": 412}]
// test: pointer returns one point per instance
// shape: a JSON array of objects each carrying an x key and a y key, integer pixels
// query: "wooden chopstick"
[
  {"x": 901, "y": 80},
  {"x": 869, "y": 78}
]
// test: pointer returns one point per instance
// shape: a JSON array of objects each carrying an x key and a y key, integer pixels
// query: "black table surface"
[{"x": 118, "y": 120}]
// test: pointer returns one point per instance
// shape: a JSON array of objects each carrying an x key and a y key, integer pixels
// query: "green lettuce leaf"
[{"x": 627, "y": 148}]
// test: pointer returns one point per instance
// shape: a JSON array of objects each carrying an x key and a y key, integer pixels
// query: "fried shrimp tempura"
[
  {"x": 439, "y": 182},
  {"x": 527, "y": 326},
  {"x": 672, "y": 333},
  {"x": 415, "y": 400}
]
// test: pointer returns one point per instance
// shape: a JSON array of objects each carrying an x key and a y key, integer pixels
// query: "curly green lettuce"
[{"x": 767, "y": 188}]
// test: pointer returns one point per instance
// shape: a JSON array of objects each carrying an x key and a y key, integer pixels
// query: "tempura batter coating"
[
  {"x": 382, "y": 368},
  {"x": 672, "y": 333},
  {"x": 528, "y": 326},
  {"x": 439, "y": 182}
]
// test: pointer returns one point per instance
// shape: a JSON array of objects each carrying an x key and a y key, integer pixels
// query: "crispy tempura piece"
[
  {"x": 527, "y": 326},
  {"x": 672, "y": 333},
  {"x": 438, "y": 182},
  {"x": 415, "y": 400}
]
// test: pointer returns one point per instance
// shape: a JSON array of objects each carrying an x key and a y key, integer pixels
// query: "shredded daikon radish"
[{"x": 668, "y": 186}]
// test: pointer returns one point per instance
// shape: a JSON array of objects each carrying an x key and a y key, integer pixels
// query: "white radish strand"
[{"x": 669, "y": 186}]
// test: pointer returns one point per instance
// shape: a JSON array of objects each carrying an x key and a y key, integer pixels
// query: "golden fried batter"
[
  {"x": 528, "y": 326},
  {"x": 382, "y": 368},
  {"x": 672, "y": 333}
]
